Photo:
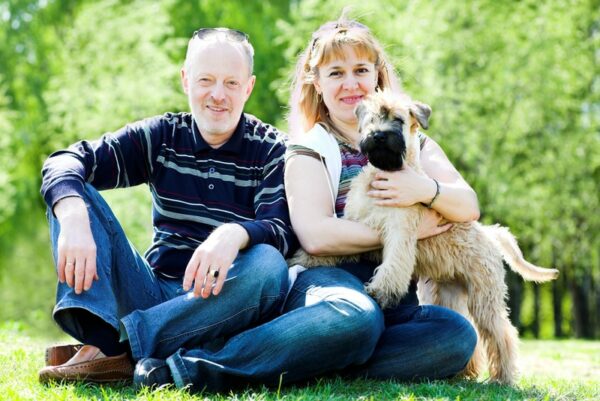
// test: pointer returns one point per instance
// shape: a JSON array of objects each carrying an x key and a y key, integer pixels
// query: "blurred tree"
[
  {"x": 514, "y": 87},
  {"x": 115, "y": 70}
]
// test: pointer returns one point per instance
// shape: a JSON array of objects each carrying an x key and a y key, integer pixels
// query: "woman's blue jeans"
[
  {"x": 329, "y": 324},
  {"x": 154, "y": 313}
]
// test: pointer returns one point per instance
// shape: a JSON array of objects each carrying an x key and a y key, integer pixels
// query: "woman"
[{"x": 342, "y": 64}]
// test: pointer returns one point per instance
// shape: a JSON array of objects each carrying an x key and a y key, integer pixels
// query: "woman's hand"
[
  {"x": 430, "y": 224},
  {"x": 401, "y": 188}
]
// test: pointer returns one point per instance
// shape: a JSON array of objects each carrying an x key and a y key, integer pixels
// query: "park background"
[{"x": 514, "y": 87}]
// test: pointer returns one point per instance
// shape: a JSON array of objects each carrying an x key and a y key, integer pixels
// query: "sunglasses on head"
[
  {"x": 336, "y": 25},
  {"x": 231, "y": 34}
]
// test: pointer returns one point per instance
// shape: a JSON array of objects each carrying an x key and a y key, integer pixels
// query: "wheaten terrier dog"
[{"x": 463, "y": 266}]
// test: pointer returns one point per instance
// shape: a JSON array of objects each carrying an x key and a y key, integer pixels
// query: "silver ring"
[
  {"x": 71, "y": 263},
  {"x": 214, "y": 272}
]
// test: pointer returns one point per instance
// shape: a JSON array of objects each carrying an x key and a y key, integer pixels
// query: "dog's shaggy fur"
[{"x": 463, "y": 266}]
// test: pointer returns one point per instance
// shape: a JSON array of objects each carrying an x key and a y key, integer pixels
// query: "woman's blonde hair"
[{"x": 327, "y": 43}]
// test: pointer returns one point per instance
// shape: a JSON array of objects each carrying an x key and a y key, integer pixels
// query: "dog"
[{"x": 462, "y": 268}]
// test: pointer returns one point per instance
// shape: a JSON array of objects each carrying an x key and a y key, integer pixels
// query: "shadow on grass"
[{"x": 322, "y": 389}]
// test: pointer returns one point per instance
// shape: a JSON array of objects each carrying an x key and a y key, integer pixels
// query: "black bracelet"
[{"x": 437, "y": 192}]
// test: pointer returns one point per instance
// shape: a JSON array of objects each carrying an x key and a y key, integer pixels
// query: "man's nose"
[{"x": 218, "y": 92}]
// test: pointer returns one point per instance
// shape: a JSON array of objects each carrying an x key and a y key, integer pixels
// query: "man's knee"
[{"x": 264, "y": 266}]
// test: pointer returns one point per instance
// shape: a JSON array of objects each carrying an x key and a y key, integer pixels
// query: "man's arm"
[
  {"x": 272, "y": 222},
  {"x": 119, "y": 159},
  {"x": 270, "y": 226}
]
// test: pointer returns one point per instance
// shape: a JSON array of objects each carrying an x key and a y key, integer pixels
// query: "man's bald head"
[{"x": 220, "y": 35}]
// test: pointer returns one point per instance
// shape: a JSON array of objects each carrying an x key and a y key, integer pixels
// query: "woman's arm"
[
  {"x": 456, "y": 202},
  {"x": 311, "y": 213}
]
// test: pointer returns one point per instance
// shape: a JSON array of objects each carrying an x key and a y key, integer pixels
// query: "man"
[{"x": 221, "y": 225}]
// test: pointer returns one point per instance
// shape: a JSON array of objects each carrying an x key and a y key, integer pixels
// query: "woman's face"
[{"x": 343, "y": 83}]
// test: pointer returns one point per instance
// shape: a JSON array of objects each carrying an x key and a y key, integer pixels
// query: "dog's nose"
[{"x": 379, "y": 136}]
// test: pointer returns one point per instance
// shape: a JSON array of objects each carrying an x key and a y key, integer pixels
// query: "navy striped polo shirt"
[{"x": 194, "y": 187}]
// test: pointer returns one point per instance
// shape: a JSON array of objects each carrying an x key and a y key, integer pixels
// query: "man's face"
[{"x": 217, "y": 82}]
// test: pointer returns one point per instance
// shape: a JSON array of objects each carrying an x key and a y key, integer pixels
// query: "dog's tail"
[{"x": 513, "y": 256}]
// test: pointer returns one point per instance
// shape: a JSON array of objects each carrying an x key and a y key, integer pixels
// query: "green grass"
[{"x": 552, "y": 370}]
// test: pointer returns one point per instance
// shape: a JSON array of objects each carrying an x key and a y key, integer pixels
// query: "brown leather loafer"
[
  {"x": 59, "y": 354},
  {"x": 96, "y": 369}
]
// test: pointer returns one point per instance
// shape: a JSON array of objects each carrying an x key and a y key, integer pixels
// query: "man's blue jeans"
[{"x": 154, "y": 312}]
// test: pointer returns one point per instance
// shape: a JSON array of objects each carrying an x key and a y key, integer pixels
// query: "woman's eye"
[
  {"x": 335, "y": 74},
  {"x": 362, "y": 70}
]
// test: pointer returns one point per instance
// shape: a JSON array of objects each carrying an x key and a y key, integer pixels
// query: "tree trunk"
[
  {"x": 535, "y": 325},
  {"x": 580, "y": 292},
  {"x": 558, "y": 294},
  {"x": 557, "y": 299},
  {"x": 515, "y": 298},
  {"x": 595, "y": 306}
]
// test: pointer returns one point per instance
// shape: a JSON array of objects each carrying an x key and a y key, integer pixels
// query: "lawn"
[{"x": 552, "y": 370}]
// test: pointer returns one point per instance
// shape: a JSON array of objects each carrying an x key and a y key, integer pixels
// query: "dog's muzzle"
[{"x": 384, "y": 149}]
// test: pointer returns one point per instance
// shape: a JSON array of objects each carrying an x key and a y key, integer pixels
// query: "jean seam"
[
  {"x": 180, "y": 375},
  {"x": 103, "y": 212},
  {"x": 71, "y": 305},
  {"x": 134, "y": 340},
  {"x": 189, "y": 333}
]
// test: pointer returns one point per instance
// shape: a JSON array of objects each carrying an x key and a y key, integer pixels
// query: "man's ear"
[
  {"x": 421, "y": 112},
  {"x": 184, "y": 80},
  {"x": 251, "y": 82}
]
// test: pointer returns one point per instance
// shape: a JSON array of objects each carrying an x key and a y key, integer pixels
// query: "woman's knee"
[
  {"x": 458, "y": 335},
  {"x": 356, "y": 320}
]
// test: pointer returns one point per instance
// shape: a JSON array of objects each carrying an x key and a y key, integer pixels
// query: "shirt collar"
[{"x": 233, "y": 145}]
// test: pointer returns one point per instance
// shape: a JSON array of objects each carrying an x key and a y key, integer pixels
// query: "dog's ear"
[{"x": 421, "y": 112}]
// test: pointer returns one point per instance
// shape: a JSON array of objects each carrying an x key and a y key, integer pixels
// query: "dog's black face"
[
  {"x": 384, "y": 145},
  {"x": 388, "y": 125}
]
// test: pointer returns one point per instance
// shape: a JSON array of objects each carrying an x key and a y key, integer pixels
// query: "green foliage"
[
  {"x": 114, "y": 70},
  {"x": 7, "y": 161}
]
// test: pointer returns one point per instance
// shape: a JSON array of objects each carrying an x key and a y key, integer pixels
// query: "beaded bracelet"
[{"x": 437, "y": 192}]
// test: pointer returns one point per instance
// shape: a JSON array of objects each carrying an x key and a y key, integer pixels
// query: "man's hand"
[
  {"x": 76, "y": 262},
  {"x": 211, "y": 261}
]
